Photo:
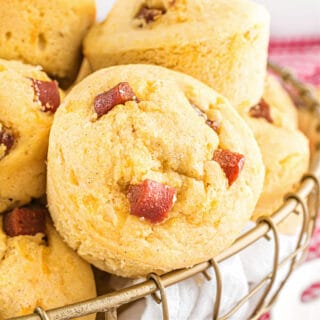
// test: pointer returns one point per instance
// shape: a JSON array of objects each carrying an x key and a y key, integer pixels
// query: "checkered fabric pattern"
[{"x": 302, "y": 56}]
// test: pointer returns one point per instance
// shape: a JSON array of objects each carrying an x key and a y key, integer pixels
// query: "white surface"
[
  {"x": 289, "y": 305},
  {"x": 294, "y": 17},
  {"x": 103, "y": 6}
]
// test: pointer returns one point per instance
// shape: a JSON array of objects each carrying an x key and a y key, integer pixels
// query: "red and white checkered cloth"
[
  {"x": 300, "y": 55},
  {"x": 303, "y": 57}
]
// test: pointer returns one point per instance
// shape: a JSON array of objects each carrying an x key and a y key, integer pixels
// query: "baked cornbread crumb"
[
  {"x": 285, "y": 150},
  {"x": 41, "y": 272},
  {"x": 46, "y": 32},
  {"x": 154, "y": 139},
  {"x": 285, "y": 113},
  {"x": 23, "y": 168},
  {"x": 222, "y": 43}
]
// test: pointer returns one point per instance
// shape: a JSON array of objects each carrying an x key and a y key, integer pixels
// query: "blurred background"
[{"x": 293, "y": 17}]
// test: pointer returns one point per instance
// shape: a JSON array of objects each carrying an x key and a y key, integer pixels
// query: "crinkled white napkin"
[
  {"x": 192, "y": 299},
  {"x": 258, "y": 259}
]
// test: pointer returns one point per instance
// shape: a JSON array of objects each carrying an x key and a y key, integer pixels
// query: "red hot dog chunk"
[
  {"x": 261, "y": 110},
  {"x": 119, "y": 94},
  {"x": 24, "y": 221},
  {"x": 151, "y": 200},
  {"x": 231, "y": 163},
  {"x": 6, "y": 139},
  {"x": 149, "y": 14},
  {"x": 47, "y": 92}
]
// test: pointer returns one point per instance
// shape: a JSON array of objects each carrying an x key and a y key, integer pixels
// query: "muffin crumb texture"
[
  {"x": 222, "y": 43},
  {"x": 46, "y": 33},
  {"x": 37, "y": 269},
  {"x": 141, "y": 188}
]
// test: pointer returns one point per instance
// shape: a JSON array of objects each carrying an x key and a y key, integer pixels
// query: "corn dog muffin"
[
  {"x": 150, "y": 170},
  {"x": 285, "y": 150},
  {"x": 308, "y": 123},
  {"x": 46, "y": 32},
  {"x": 37, "y": 269},
  {"x": 222, "y": 43},
  {"x": 28, "y": 100},
  {"x": 284, "y": 112}
]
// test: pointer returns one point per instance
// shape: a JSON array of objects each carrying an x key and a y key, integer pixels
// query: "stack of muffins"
[
  {"x": 37, "y": 268},
  {"x": 148, "y": 169}
]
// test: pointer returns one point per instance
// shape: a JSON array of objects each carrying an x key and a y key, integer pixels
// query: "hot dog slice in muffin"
[
  {"x": 37, "y": 269},
  {"x": 220, "y": 42},
  {"x": 285, "y": 150},
  {"x": 139, "y": 180},
  {"x": 28, "y": 101}
]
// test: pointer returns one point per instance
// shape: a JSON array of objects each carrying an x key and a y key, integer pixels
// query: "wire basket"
[{"x": 304, "y": 202}]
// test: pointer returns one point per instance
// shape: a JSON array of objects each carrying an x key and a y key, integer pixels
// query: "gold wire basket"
[{"x": 304, "y": 202}]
